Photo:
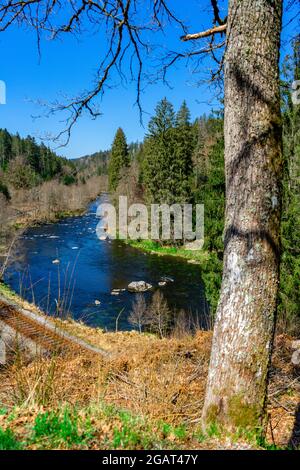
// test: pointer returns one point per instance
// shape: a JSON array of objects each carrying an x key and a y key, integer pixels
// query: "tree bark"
[{"x": 245, "y": 318}]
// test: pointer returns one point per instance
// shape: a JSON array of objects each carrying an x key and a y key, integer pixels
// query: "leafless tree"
[
  {"x": 138, "y": 316},
  {"x": 159, "y": 315}
]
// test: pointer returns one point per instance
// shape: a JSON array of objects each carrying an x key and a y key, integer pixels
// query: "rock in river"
[
  {"x": 139, "y": 286},
  {"x": 166, "y": 279},
  {"x": 117, "y": 291}
]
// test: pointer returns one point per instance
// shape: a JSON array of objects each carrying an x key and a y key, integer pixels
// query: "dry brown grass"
[
  {"x": 161, "y": 379},
  {"x": 284, "y": 394}
]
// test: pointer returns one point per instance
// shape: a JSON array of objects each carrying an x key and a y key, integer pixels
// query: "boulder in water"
[{"x": 139, "y": 286}]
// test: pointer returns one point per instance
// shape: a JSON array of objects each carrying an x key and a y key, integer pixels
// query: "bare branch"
[
  {"x": 216, "y": 10},
  {"x": 173, "y": 57},
  {"x": 204, "y": 34},
  {"x": 126, "y": 27}
]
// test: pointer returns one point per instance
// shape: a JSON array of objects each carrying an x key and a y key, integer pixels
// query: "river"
[{"x": 89, "y": 269}]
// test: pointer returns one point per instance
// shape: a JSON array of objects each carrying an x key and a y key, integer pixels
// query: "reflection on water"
[{"x": 89, "y": 269}]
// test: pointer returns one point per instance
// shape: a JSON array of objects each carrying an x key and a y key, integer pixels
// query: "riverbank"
[
  {"x": 25, "y": 221},
  {"x": 47, "y": 203},
  {"x": 192, "y": 256}
]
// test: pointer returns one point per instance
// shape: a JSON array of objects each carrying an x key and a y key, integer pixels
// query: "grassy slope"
[{"x": 148, "y": 394}]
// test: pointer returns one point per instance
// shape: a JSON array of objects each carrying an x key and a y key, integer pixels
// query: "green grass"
[
  {"x": 128, "y": 436},
  {"x": 154, "y": 247},
  {"x": 102, "y": 426},
  {"x": 255, "y": 438},
  {"x": 8, "y": 440},
  {"x": 74, "y": 428},
  {"x": 55, "y": 428},
  {"x": 66, "y": 429},
  {"x": 137, "y": 433},
  {"x": 179, "y": 432}
]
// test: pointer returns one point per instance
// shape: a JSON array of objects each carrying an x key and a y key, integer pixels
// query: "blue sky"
[{"x": 67, "y": 67}]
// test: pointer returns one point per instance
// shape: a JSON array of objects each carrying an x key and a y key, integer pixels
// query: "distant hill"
[
  {"x": 97, "y": 163},
  {"x": 94, "y": 164},
  {"x": 24, "y": 163}
]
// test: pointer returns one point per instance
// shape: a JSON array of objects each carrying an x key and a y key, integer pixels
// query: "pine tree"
[
  {"x": 167, "y": 162},
  {"x": 210, "y": 181},
  {"x": 32, "y": 162},
  {"x": 183, "y": 117},
  {"x": 32, "y": 153},
  {"x": 163, "y": 120},
  {"x": 119, "y": 159},
  {"x": 186, "y": 140}
]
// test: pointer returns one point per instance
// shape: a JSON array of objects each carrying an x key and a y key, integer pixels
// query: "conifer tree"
[
  {"x": 163, "y": 120},
  {"x": 186, "y": 140},
  {"x": 119, "y": 159},
  {"x": 37, "y": 162},
  {"x": 5, "y": 148},
  {"x": 32, "y": 153},
  {"x": 167, "y": 163},
  {"x": 183, "y": 117}
]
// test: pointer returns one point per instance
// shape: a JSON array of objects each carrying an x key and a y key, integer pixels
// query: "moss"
[
  {"x": 237, "y": 415},
  {"x": 243, "y": 415},
  {"x": 212, "y": 414}
]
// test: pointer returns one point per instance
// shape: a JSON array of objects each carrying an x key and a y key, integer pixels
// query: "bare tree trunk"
[{"x": 245, "y": 319}]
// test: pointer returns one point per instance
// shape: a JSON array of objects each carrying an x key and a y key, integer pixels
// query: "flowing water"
[{"x": 89, "y": 269}]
